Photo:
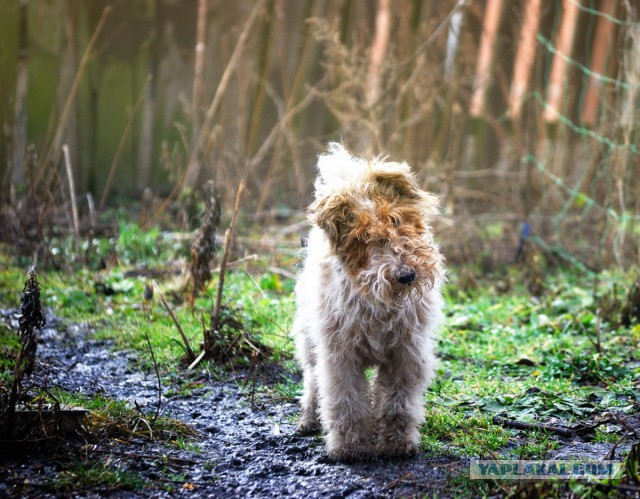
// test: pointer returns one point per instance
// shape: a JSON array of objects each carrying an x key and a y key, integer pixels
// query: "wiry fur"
[{"x": 369, "y": 233}]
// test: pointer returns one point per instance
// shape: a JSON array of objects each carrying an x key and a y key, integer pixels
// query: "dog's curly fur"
[{"x": 368, "y": 296}]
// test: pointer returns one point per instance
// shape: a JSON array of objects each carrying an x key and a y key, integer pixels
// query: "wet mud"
[{"x": 246, "y": 445}]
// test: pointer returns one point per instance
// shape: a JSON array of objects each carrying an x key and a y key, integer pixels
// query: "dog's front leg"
[
  {"x": 345, "y": 409},
  {"x": 399, "y": 398},
  {"x": 308, "y": 422}
]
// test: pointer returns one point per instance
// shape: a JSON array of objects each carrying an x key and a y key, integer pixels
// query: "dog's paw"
[
  {"x": 352, "y": 454},
  {"x": 398, "y": 449},
  {"x": 349, "y": 446},
  {"x": 307, "y": 426},
  {"x": 396, "y": 440}
]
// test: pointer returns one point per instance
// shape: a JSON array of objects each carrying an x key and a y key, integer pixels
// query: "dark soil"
[{"x": 246, "y": 443}]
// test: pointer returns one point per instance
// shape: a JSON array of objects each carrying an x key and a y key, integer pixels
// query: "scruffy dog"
[{"x": 368, "y": 296}]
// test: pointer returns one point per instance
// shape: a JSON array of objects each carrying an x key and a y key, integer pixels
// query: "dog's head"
[{"x": 377, "y": 227}]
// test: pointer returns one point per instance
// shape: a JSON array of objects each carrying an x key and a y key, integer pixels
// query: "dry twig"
[
  {"x": 519, "y": 425},
  {"x": 203, "y": 141}
]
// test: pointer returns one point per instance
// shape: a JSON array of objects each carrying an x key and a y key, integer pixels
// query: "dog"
[{"x": 368, "y": 296}]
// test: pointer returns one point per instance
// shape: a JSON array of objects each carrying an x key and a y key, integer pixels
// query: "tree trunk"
[
  {"x": 264, "y": 68},
  {"x": 485, "y": 56},
  {"x": 564, "y": 47},
  {"x": 201, "y": 37},
  {"x": 525, "y": 58},
  {"x": 602, "y": 45},
  {"x": 378, "y": 51}
]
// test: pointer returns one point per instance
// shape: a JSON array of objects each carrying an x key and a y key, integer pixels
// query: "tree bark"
[
  {"x": 602, "y": 42},
  {"x": 564, "y": 47},
  {"x": 525, "y": 57},
  {"x": 485, "y": 56},
  {"x": 378, "y": 50},
  {"x": 201, "y": 37}
]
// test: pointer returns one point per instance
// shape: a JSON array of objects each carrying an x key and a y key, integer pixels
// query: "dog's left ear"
[
  {"x": 332, "y": 214},
  {"x": 401, "y": 184},
  {"x": 395, "y": 183}
]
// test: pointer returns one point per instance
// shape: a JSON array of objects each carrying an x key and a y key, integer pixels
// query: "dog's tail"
[{"x": 337, "y": 170}]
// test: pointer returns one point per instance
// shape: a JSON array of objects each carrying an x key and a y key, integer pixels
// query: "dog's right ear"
[{"x": 333, "y": 214}]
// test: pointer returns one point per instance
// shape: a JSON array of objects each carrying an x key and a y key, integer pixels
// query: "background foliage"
[{"x": 140, "y": 106}]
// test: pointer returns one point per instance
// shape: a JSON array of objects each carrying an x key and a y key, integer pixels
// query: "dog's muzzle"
[{"x": 406, "y": 275}]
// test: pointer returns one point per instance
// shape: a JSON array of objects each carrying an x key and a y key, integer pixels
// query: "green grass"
[
  {"x": 539, "y": 446},
  {"x": 115, "y": 419},
  {"x": 508, "y": 355},
  {"x": 529, "y": 360},
  {"x": 452, "y": 432},
  {"x": 264, "y": 313}
]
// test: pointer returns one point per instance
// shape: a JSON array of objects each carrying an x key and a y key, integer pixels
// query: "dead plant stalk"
[
  {"x": 190, "y": 354},
  {"x": 228, "y": 238},
  {"x": 157, "y": 371},
  {"x": 257, "y": 158},
  {"x": 72, "y": 193}
]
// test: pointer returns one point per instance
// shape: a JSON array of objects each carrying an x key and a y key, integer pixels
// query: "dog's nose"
[{"x": 406, "y": 275}]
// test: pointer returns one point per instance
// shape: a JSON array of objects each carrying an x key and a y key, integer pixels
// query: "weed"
[
  {"x": 461, "y": 434},
  {"x": 288, "y": 389},
  {"x": 188, "y": 445},
  {"x": 109, "y": 419},
  {"x": 94, "y": 477},
  {"x": 203, "y": 247},
  {"x": 538, "y": 447},
  {"x": 135, "y": 246}
]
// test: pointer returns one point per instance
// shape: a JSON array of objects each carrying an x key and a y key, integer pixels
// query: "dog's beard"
[{"x": 378, "y": 282}]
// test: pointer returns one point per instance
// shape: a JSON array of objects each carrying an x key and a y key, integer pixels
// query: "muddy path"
[{"x": 246, "y": 444}]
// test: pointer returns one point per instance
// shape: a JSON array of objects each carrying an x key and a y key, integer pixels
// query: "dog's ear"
[
  {"x": 396, "y": 183},
  {"x": 333, "y": 214},
  {"x": 400, "y": 184}
]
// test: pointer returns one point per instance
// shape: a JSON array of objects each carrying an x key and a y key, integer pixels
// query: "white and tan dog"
[{"x": 368, "y": 296}]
